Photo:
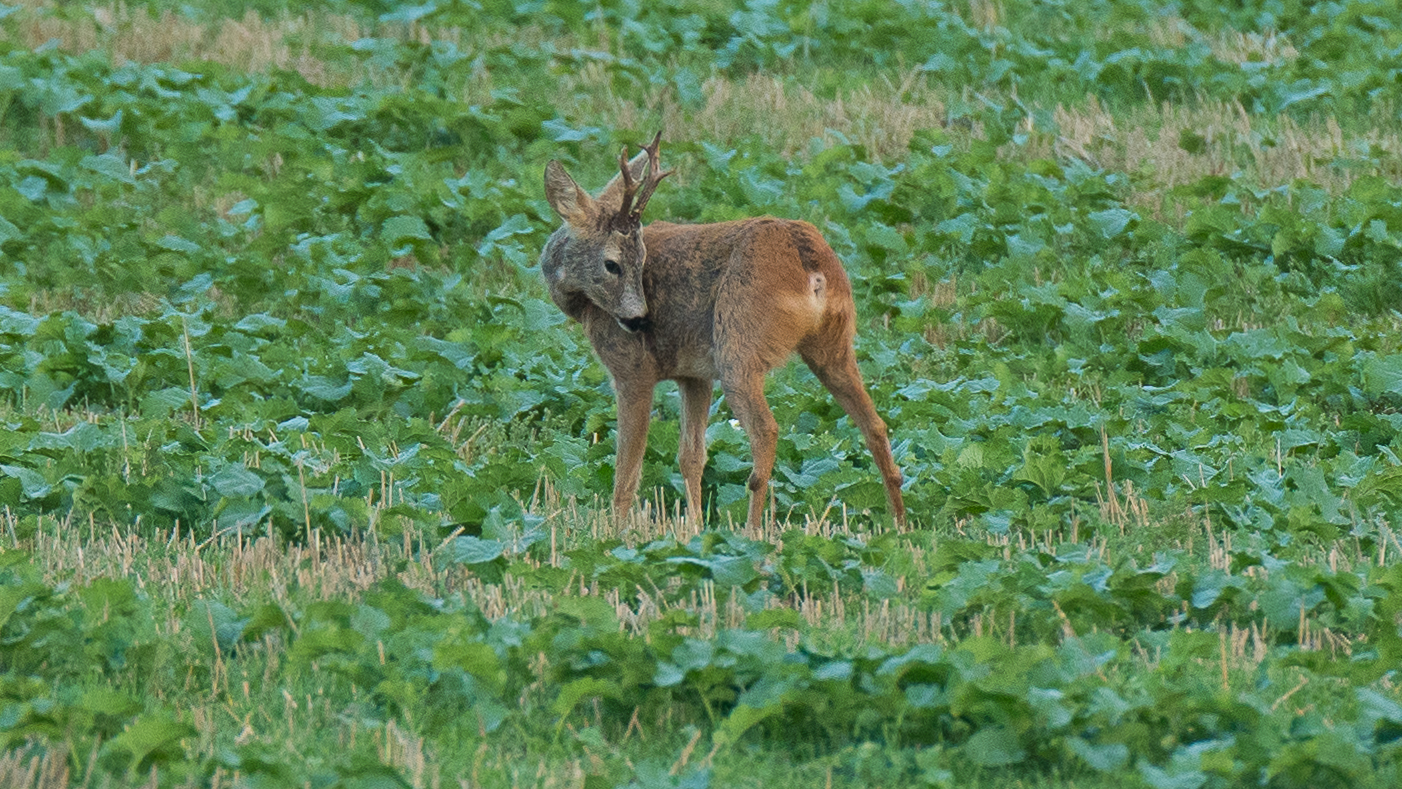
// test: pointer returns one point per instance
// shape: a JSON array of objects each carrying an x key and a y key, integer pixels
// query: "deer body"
[{"x": 728, "y": 301}]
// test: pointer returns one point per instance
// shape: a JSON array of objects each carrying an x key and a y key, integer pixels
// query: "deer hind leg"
[
  {"x": 691, "y": 456},
  {"x": 744, "y": 391},
  {"x": 837, "y": 369},
  {"x": 634, "y": 415}
]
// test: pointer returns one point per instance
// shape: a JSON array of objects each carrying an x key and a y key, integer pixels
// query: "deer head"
[{"x": 603, "y": 254}]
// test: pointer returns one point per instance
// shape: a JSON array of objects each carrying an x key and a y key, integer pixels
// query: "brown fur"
[{"x": 696, "y": 303}]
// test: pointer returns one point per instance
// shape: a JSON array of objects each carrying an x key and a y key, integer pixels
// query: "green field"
[{"x": 303, "y": 478}]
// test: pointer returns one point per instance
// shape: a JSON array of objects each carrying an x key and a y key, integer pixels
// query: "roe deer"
[{"x": 696, "y": 303}]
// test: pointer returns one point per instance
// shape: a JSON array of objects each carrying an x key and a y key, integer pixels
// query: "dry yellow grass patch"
[
  {"x": 1266, "y": 151},
  {"x": 250, "y": 43},
  {"x": 95, "y": 306},
  {"x": 136, "y": 35},
  {"x": 881, "y": 115},
  {"x": 182, "y": 566},
  {"x": 34, "y": 767},
  {"x": 985, "y": 14},
  {"x": 1231, "y": 46},
  {"x": 1267, "y": 47}
]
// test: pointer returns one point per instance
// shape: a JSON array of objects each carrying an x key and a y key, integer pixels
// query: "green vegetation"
[{"x": 301, "y": 474}]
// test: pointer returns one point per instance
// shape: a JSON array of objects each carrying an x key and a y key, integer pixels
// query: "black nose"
[{"x": 634, "y": 325}]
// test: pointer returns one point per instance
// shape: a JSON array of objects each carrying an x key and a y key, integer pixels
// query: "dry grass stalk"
[
  {"x": 246, "y": 568},
  {"x": 36, "y": 766},
  {"x": 1266, "y": 151},
  {"x": 1256, "y": 47},
  {"x": 984, "y": 14},
  {"x": 138, "y": 35},
  {"x": 96, "y": 306},
  {"x": 882, "y": 115},
  {"x": 1230, "y": 46}
]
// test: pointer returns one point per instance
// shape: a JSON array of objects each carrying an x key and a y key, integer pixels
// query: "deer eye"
[{"x": 611, "y": 266}]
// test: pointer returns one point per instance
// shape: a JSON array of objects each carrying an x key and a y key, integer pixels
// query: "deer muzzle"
[
  {"x": 632, "y": 313},
  {"x": 634, "y": 325}
]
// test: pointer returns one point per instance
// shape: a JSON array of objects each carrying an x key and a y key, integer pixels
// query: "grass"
[
  {"x": 140, "y": 35},
  {"x": 1151, "y": 145},
  {"x": 180, "y": 567},
  {"x": 262, "y": 696},
  {"x": 881, "y": 110}
]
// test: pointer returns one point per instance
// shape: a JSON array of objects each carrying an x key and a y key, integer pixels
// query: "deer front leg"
[
  {"x": 691, "y": 455},
  {"x": 745, "y": 393},
  {"x": 634, "y": 415}
]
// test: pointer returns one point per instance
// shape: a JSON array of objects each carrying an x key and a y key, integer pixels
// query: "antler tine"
[
  {"x": 630, "y": 186},
  {"x": 652, "y": 177}
]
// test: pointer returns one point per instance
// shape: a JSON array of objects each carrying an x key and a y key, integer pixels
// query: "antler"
[
  {"x": 630, "y": 186},
  {"x": 653, "y": 175},
  {"x": 643, "y": 190}
]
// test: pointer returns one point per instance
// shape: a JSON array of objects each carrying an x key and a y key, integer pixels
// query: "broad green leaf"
[
  {"x": 572, "y": 693},
  {"x": 323, "y": 388},
  {"x": 162, "y": 402},
  {"x": 516, "y": 224},
  {"x": 1106, "y": 758},
  {"x": 409, "y": 13},
  {"x": 110, "y": 166},
  {"x": 472, "y": 550},
  {"x": 178, "y": 244},
  {"x": 154, "y": 738},
  {"x": 240, "y": 514},
  {"x": 399, "y": 229},
  {"x": 83, "y": 437},
  {"x": 559, "y": 131},
  {"x": 109, "y": 702},
  {"x": 8, "y": 231},
  {"x": 1112, "y": 222},
  {"x": 234, "y": 479},
  {"x": 994, "y": 746},
  {"x": 1382, "y": 375},
  {"x": 259, "y": 322},
  {"x": 475, "y": 658},
  {"x": 741, "y": 719},
  {"x": 210, "y": 621},
  {"x": 111, "y": 125},
  {"x": 32, "y": 483},
  {"x": 1160, "y": 779},
  {"x": 774, "y": 617}
]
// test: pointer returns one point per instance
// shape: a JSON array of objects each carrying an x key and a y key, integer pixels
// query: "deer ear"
[{"x": 573, "y": 204}]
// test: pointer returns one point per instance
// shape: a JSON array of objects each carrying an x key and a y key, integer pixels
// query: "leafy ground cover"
[{"x": 301, "y": 472}]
